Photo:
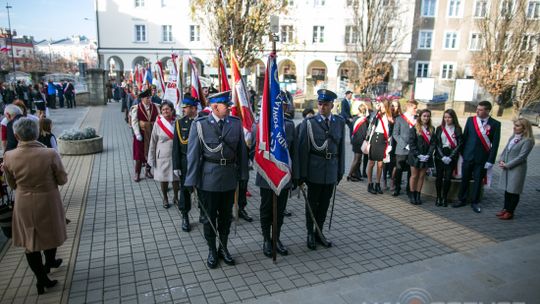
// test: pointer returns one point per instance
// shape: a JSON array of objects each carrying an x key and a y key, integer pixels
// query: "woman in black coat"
[
  {"x": 360, "y": 126},
  {"x": 421, "y": 147},
  {"x": 448, "y": 142}
]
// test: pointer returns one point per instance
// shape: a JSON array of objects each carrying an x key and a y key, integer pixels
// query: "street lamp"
[{"x": 10, "y": 37}]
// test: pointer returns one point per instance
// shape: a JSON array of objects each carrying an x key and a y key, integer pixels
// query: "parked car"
[{"x": 531, "y": 112}]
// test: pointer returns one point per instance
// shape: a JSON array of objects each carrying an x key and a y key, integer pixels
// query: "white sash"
[
  {"x": 482, "y": 130},
  {"x": 165, "y": 123}
]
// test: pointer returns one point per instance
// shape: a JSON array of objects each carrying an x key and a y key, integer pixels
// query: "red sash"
[
  {"x": 407, "y": 120},
  {"x": 385, "y": 133},
  {"x": 164, "y": 128},
  {"x": 450, "y": 140},
  {"x": 480, "y": 135},
  {"x": 357, "y": 124},
  {"x": 426, "y": 137}
]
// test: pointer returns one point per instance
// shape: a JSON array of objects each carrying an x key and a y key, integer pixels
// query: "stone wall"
[{"x": 95, "y": 79}]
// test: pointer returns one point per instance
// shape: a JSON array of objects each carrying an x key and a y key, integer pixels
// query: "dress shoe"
[
  {"x": 137, "y": 178},
  {"x": 267, "y": 248},
  {"x": 148, "y": 173},
  {"x": 396, "y": 192},
  {"x": 243, "y": 215},
  {"x": 165, "y": 204},
  {"x": 476, "y": 208},
  {"x": 438, "y": 202},
  {"x": 459, "y": 204},
  {"x": 321, "y": 239},
  {"x": 506, "y": 216},
  {"x": 311, "y": 241},
  {"x": 55, "y": 264},
  {"x": 444, "y": 202},
  {"x": 212, "y": 260},
  {"x": 501, "y": 213},
  {"x": 378, "y": 188},
  {"x": 185, "y": 222},
  {"x": 353, "y": 179},
  {"x": 281, "y": 249},
  {"x": 371, "y": 189},
  {"x": 225, "y": 255}
]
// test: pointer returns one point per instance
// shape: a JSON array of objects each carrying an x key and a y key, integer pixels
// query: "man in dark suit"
[
  {"x": 217, "y": 161},
  {"x": 321, "y": 146},
  {"x": 346, "y": 111},
  {"x": 481, "y": 137}
]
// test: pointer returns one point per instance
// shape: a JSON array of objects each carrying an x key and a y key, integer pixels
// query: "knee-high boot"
[
  {"x": 164, "y": 188},
  {"x": 50, "y": 260},
  {"x": 36, "y": 265},
  {"x": 138, "y": 167}
]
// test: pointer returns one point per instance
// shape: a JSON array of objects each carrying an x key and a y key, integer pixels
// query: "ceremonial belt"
[
  {"x": 221, "y": 161},
  {"x": 326, "y": 155}
]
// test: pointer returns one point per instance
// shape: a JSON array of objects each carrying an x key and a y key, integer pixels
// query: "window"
[
  {"x": 318, "y": 34},
  {"x": 387, "y": 36},
  {"x": 476, "y": 43},
  {"x": 528, "y": 43},
  {"x": 505, "y": 44},
  {"x": 318, "y": 2},
  {"x": 140, "y": 33},
  {"x": 454, "y": 8},
  {"x": 194, "y": 33},
  {"x": 428, "y": 8},
  {"x": 450, "y": 40},
  {"x": 350, "y": 34},
  {"x": 422, "y": 69},
  {"x": 139, "y": 3},
  {"x": 166, "y": 33},
  {"x": 507, "y": 8},
  {"x": 533, "y": 10},
  {"x": 480, "y": 8},
  {"x": 447, "y": 71},
  {"x": 286, "y": 33},
  {"x": 425, "y": 39}
]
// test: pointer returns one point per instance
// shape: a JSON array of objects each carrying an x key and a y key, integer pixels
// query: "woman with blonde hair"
[
  {"x": 513, "y": 162},
  {"x": 421, "y": 145},
  {"x": 379, "y": 143}
]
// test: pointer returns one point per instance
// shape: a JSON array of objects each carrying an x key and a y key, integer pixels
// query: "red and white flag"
[
  {"x": 158, "y": 69},
  {"x": 196, "y": 88},
  {"x": 172, "y": 91},
  {"x": 241, "y": 107},
  {"x": 222, "y": 72}
]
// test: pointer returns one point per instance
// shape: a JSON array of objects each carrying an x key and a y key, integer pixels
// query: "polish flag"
[{"x": 241, "y": 107}]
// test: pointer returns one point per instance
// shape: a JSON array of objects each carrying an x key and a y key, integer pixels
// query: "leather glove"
[
  {"x": 177, "y": 173},
  {"x": 139, "y": 137},
  {"x": 488, "y": 166}
]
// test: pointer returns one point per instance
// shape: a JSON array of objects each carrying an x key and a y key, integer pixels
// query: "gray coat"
[
  {"x": 314, "y": 166},
  {"x": 401, "y": 135},
  {"x": 290, "y": 133},
  {"x": 513, "y": 177},
  {"x": 203, "y": 170}
]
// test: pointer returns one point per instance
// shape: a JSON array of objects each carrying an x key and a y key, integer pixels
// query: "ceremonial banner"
[
  {"x": 148, "y": 75},
  {"x": 241, "y": 107},
  {"x": 172, "y": 92},
  {"x": 272, "y": 159},
  {"x": 196, "y": 88},
  {"x": 222, "y": 72},
  {"x": 158, "y": 68}
]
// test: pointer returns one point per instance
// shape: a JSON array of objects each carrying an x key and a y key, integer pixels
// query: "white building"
[
  {"x": 312, "y": 52},
  {"x": 74, "y": 48}
]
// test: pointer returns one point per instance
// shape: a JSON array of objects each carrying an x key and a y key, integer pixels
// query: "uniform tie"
[
  {"x": 327, "y": 121},
  {"x": 220, "y": 124}
]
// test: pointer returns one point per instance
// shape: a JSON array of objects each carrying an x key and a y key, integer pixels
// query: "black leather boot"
[
  {"x": 378, "y": 188},
  {"x": 311, "y": 241},
  {"x": 438, "y": 201},
  {"x": 50, "y": 260},
  {"x": 397, "y": 191},
  {"x": 418, "y": 200},
  {"x": 321, "y": 239},
  {"x": 267, "y": 247},
  {"x": 212, "y": 260},
  {"x": 281, "y": 249},
  {"x": 36, "y": 265},
  {"x": 245, "y": 216},
  {"x": 223, "y": 252},
  {"x": 185, "y": 222},
  {"x": 371, "y": 189}
]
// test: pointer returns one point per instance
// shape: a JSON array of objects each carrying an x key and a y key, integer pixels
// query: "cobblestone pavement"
[{"x": 131, "y": 250}]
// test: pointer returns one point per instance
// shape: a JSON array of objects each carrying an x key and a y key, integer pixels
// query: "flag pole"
[{"x": 274, "y": 194}]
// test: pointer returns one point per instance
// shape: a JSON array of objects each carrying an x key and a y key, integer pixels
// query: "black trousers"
[
  {"x": 61, "y": 101},
  {"x": 184, "y": 201},
  {"x": 319, "y": 196},
  {"x": 267, "y": 210},
  {"x": 511, "y": 201},
  {"x": 476, "y": 171},
  {"x": 219, "y": 207},
  {"x": 444, "y": 176},
  {"x": 69, "y": 100},
  {"x": 51, "y": 100},
  {"x": 242, "y": 199},
  {"x": 401, "y": 166}
]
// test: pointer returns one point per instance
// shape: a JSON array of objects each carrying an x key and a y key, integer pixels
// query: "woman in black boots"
[
  {"x": 421, "y": 145},
  {"x": 448, "y": 142},
  {"x": 39, "y": 224},
  {"x": 379, "y": 143},
  {"x": 359, "y": 131}
]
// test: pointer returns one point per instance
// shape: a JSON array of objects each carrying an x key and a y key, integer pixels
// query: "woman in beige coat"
[
  {"x": 35, "y": 172},
  {"x": 513, "y": 162},
  {"x": 160, "y": 152}
]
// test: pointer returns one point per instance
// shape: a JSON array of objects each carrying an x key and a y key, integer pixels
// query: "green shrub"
[{"x": 74, "y": 134}]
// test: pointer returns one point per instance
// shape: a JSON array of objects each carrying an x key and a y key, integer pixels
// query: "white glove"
[
  {"x": 447, "y": 160},
  {"x": 407, "y": 147},
  {"x": 488, "y": 166},
  {"x": 139, "y": 137},
  {"x": 423, "y": 158},
  {"x": 177, "y": 173}
]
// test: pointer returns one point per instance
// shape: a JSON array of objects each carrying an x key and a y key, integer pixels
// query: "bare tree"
[
  {"x": 240, "y": 23},
  {"x": 507, "y": 41},
  {"x": 374, "y": 38}
]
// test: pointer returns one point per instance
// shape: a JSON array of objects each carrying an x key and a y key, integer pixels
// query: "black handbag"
[{"x": 6, "y": 214}]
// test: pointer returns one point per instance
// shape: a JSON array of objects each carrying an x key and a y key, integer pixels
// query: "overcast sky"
[{"x": 45, "y": 19}]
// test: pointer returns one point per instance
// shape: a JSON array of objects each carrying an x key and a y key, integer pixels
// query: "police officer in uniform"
[
  {"x": 180, "y": 147},
  {"x": 267, "y": 193},
  {"x": 321, "y": 150},
  {"x": 217, "y": 160}
]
